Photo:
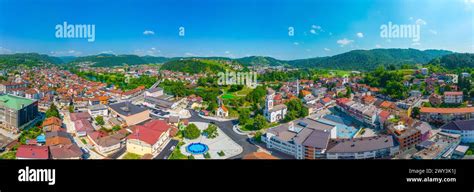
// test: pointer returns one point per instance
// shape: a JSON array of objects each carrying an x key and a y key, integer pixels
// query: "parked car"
[{"x": 84, "y": 150}]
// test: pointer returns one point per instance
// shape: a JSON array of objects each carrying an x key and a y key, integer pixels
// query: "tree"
[
  {"x": 116, "y": 128},
  {"x": 71, "y": 108},
  {"x": 244, "y": 117},
  {"x": 191, "y": 132},
  {"x": 260, "y": 122},
  {"x": 99, "y": 120},
  {"x": 348, "y": 92},
  {"x": 52, "y": 111},
  {"x": 258, "y": 136},
  {"x": 415, "y": 112},
  {"x": 211, "y": 131},
  {"x": 295, "y": 110}
]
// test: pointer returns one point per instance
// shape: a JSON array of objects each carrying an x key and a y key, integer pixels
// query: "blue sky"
[{"x": 233, "y": 28}]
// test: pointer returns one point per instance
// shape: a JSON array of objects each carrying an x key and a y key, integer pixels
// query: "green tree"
[
  {"x": 191, "y": 132},
  {"x": 71, "y": 108},
  {"x": 415, "y": 112},
  {"x": 260, "y": 122},
  {"x": 99, "y": 120},
  {"x": 52, "y": 111},
  {"x": 116, "y": 128},
  {"x": 295, "y": 110},
  {"x": 211, "y": 131},
  {"x": 244, "y": 117}
]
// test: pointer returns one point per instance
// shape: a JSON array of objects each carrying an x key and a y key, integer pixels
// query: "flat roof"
[
  {"x": 15, "y": 102},
  {"x": 127, "y": 108}
]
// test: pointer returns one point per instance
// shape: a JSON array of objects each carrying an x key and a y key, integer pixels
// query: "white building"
[
  {"x": 273, "y": 113},
  {"x": 453, "y": 97},
  {"x": 302, "y": 138},
  {"x": 464, "y": 128},
  {"x": 96, "y": 110},
  {"x": 155, "y": 92}
]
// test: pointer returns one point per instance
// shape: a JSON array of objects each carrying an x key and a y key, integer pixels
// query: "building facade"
[{"x": 17, "y": 112}]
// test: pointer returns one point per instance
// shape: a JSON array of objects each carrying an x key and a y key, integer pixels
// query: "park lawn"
[
  {"x": 8, "y": 155},
  {"x": 132, "y": 156},
  {"x": 177, "y": 154},
  {"x": 227, "y": 96},
  {"x": 244, "y": 92},
  {"x": 470, "y": 151}
]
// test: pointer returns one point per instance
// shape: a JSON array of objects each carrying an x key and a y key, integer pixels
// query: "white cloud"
[
  {"x": 344, "y": 42},
  {"x": 360, "y": 35},
  {"x": 5, "y": 50},
  {"x": 190, "y": 54},
  {"x": 416, "y": 44},
  {"x": 151, "y": 51},
  {"x": 66, "y": 53},
  {"x": 296, "y": 43},
  {"x": 434, "y": 32},
  {"x": 327, "y": 49},
  {"x": 420, "y": 22},
  {"x": 148, "y": 32},
  {"x": 410, "y": 18},
  {"x": 227, "y": 52},
  {"x": 107, "y": 52},
  {"x": 378, "y": 46},
  {"x": 315, "y": 29}
]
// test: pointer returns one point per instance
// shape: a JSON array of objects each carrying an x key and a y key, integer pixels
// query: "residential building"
[
  {"x": 363, "y": 113},
  {"x": 440, "y": 146},
  {"x": 302, "y": 138},
  {"x": 435, "y": 99},
  {"x": 52, "y": 124},
  {"x": 465, "y": 128},
  {"x": 98, "y": 110},
  {"x": 106, "y": 143},
  {"x": 17, "y": 112},
  {"x": 406, "y": 136},
  {"x": 363, "y": 148},
  {"x": 148, "y": 138},
  {"x": 453, "y": 97},
  {"x": 131, "y": 114},
  {"x": 32, "y": 152},
  {"x": 445, "y": 115},
  {"x": 68, "y": 151}
]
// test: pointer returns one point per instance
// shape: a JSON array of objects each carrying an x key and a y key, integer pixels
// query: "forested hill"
[
  {"x": 366, "y": 60},
  {"x": 455, "y": 61}
]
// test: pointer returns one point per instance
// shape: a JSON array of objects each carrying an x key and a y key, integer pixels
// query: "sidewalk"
[{"x": 216, "y": 118}]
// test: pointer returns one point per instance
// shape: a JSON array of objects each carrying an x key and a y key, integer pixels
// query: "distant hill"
[
  {"x": 455, "y": 60},
  {"x": 259, "y": 60},
  {"x": 109, "y": 60},
  {"x": 27, "y": 59},
  {"x": 194, "y": 66},
  {"x": 364, "y": 60}
]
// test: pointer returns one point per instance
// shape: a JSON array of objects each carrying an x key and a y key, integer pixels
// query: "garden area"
[{"x": 131, "y": 156}]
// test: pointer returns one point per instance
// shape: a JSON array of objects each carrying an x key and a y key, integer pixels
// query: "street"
[{"x": 167, "y": 150}]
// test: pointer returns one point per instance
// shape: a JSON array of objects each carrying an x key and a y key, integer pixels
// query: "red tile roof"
[
  {"x": 150, "y": 132},
  {"x": 32, "y": 152},
  {"x": 447, "y": 110}
]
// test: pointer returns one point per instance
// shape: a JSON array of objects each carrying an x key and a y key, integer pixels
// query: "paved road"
[
  {"x": 166, "y": 152},
  {"x": 118, "y": 153},
  {"x": 226, "y": 127}
]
